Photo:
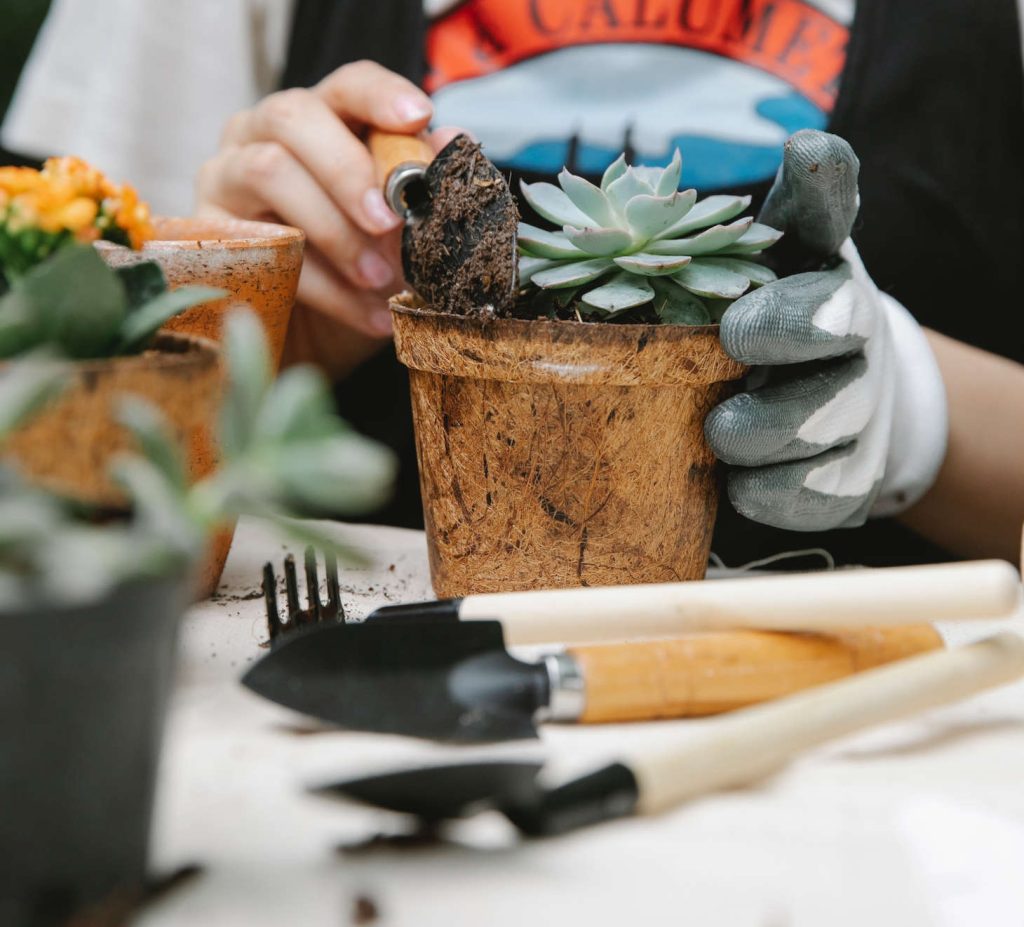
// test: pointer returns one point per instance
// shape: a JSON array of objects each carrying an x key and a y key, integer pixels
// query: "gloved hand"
[{"x": 844, "y": 416}]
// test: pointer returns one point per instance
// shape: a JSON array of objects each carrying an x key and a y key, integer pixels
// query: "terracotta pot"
[
  {"x": 69, "y": 445},
  {"x": 258, "y": 263},
  {"x": 561, "y": 453}
]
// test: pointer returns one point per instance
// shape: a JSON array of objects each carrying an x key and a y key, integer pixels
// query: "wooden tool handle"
[
  {"x": 710, "y": 673},
  {"x": 827, "y": 601},
  {"x": 747, "y": 745},
  {"x": 389, "y": 150}
]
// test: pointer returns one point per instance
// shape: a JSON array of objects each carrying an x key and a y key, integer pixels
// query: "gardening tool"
[
  {"x": 717, "y": 754},
  {"x": 824, "y": 601},
  {"x": 459, "y": 241},
  {"x": 455, "y": 681}
]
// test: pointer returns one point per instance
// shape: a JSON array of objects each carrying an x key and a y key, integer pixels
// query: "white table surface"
[{"x": 917, "y": 823}]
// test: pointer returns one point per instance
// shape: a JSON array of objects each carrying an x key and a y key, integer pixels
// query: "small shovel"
[
  {"x": 459, "y": 241},
  {"x": 457, "y": 682},
  {"x": 713, "y": 755}
]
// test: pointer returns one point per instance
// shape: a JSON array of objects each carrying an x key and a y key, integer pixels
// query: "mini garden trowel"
[
  {"x": 712, "y": 755},
  {"x": 459, "y": 241}
]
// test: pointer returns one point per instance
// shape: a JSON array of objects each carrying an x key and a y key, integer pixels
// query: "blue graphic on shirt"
[{"x": 708, "y": 163}]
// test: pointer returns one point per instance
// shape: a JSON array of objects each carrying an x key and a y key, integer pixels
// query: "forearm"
[
  {"x": 315, "y": 338},
  {"x": 976, "y": 506}
]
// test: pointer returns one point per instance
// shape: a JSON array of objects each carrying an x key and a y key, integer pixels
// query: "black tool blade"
[
  {"x": 443, "y": 682},
  {"x": 459, "y": 249},
  {"x": 438, "y": 793}
]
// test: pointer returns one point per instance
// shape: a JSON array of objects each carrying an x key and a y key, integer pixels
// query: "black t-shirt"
[{"x": 929, "y": 92}]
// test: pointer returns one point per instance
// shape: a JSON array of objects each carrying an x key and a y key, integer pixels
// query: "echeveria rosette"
[{"x": 638, "y": 242}]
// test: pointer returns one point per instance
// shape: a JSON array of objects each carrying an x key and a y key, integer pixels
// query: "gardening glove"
[{"x": 844, "y": 417}]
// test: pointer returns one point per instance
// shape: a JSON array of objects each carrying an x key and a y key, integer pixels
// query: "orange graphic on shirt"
[{"x": 788, "y": 38}]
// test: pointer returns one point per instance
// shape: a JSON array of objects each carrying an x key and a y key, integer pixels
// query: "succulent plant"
[
  {"x": 286, "y": 455},
  {"x": 74, "y": 305},
  {"x": 639, "y": 243}
]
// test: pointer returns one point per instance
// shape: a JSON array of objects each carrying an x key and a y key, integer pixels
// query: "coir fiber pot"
[
  {"x": 68, "y": 446},
  {"x": 83, "y": 696},
  {"x": 560, "y": 453},
  {"x": 258, "y": 263}
]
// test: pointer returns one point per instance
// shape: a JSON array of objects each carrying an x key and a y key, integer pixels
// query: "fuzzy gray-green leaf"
[
  {"x": 150, "y": 430},
  {"x": 298, "y": 407},
  {"x": 249, "y": 376}
]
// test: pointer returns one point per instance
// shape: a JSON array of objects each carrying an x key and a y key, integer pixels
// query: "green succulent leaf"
[
  {"x": 669, "y": 181},
  {"x": 20, "y": 328},
  {"x": 653, "y": 265},
  {"x": 622, "y": 190},
  {"x": 599, "y": 242},
  {"x": 79, "y": 302},
  {"x": 676, "y": 306},
  {"x": 623, "y": 291},
  {"x": 755, "y": 239},
  {"x": 708, "y": 280},
  {"x": 709, "y": 211},
  {"x": 142, "y": 282},
  {"x": 552, "y": 203},
  {"x": 573, "y": 273},
  {"x": 757, "y": 274},
  {"x": 142, "y": 324},
  {"x": 710, "y": 240},
  {"x": 542, "y": 243},
  {"x": 249, "y": 377},
  {"x": 298, "y": 407},
  {"x": 649, "y": 216},
  {"x": 150, "y": 430},
  {"x": 530, "y": 266},
  {"x": 588, "y": 198},
  {"x": 160, "y": 508},
  {"x": 25, "y": 387},
  {"x": 613, "y": 172}
]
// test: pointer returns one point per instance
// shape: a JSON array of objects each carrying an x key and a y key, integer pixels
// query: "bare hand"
[{"x": 298, "y": 158}]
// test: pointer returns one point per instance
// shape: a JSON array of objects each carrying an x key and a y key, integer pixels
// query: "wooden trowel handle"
[
  {"x": 710, "y": 673},
  {"x": 391, "y": 151},
  {"x": 739, "y": 748}
]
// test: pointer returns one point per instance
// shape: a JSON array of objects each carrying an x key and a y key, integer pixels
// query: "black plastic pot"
[{"x": 83, "y": 694}]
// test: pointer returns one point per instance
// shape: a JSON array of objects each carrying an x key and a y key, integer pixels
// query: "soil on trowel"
[{"x": 460, "y": 253}]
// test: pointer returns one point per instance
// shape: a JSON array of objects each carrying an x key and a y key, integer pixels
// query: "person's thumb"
[{"x": 814, "y": 199}]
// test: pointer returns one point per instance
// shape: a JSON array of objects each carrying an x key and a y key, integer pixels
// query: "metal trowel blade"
[
  {"x": 459, "y": 247},
  {"x": 431, "y": 681}
]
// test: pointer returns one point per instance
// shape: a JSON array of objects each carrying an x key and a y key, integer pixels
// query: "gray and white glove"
[{"x": 845, "y": 413}]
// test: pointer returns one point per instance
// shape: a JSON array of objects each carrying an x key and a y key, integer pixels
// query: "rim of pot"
[
  {"x": 168, "y": 350},
  {"x": 196, "y": 233},
  {"x": 547, "y": 351}
]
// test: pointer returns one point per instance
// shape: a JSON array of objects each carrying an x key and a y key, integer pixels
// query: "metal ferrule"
[
  {"x": 568, "y": 689},
  {"x": 397, "y": 187}
]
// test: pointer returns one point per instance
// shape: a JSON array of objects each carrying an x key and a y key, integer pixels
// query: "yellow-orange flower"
[{"x": 70, "y": 195}]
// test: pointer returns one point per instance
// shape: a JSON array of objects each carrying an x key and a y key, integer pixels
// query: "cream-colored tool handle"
[
  {"x": 755, "y": 742},
  {"x": 704, "y": 674},
  {"x": 826, "y": 601}
]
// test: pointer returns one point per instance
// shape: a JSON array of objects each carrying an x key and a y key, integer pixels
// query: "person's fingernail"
[
  {"x": 412, "y": 108},
  {"x": 378, "y": 212},
  {"x": 374, "y": 269},
  {"x": 380, "y": 321}
]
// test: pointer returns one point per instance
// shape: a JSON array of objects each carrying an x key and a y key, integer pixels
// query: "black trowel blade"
[
  {"x": 459, "y": 251},
  {"x": 406, "y": 679}
]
